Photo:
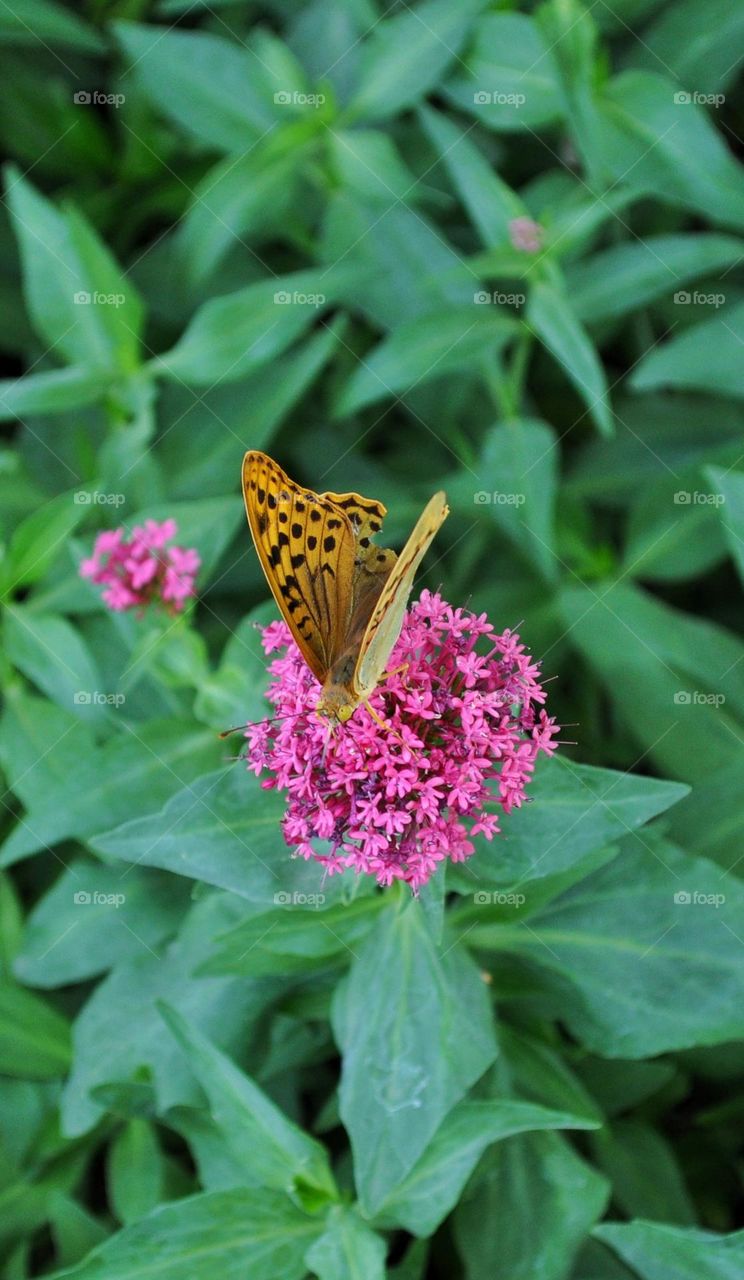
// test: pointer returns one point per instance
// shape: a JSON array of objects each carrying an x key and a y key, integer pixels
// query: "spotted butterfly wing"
[
  {"x": 386, "y": 619},
  {"x": 306, "y": 545}
]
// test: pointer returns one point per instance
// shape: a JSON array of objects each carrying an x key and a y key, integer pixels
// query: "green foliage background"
[{"x": 197, "y": 1078}]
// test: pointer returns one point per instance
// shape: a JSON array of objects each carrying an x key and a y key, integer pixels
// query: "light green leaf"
[
  {"x": 37, "y": 541},
  {"x": 273, "y": 1151},
  {"x": 54, "y": 391},
  {"x": 434, "y": 1185},
  {"x": 423, "y": 349},
  {"x": 52, "y": 654},
  {"x": 406, "y": 55},
  {"x": 659, "y": 1252},
  {"x": 347, "y": 1250},
  {"x": 411, "y": 1047},
  {"x": 230, "y": 1233},
  {"x": 513, "y": 80},
  {"x": 135, "y": 1171},
  {"x": 729, "y": 485},
  {"x": 551, "y": 315},
  {"x": 34, "y": 1038},
  {"x": 706, "y": 357}
]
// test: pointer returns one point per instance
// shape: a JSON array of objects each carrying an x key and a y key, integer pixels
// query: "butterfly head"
[{"x": 335, "y": 704}]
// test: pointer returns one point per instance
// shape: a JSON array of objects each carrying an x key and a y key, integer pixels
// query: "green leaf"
[
  {"x": 423, "y": 349},
  {"x": 406, "y": 55},
  {"x": 616, "y": 281},
  {"x": 223, "y": 829},
  {"x": 119, "y": 1034},
  {"x": 645, "y": 1175},
  {"x": 291, "y": 939},
  {"x": 273, "y": 1151},
  {"x": 659, "y": 1252},
  {"x": 147, "y": 764},
  {"x": 368, "y": 163},
  {"x": 31, "y": 21},
  {"x": 674, "y": 529},
  {"x": 706, "y": 357},
  {"x": 614, "y": 941},
  {"x": 698, "y": 52},
  {"x": 93, "y": 917},
  {"x": 77, "y": 297},
  {"x": 347, "y": 1250},
  {"x": 411, "y": 1047},
  {"x": 234, "y": 200},
  {"x": 489, "y": 201},
  {"x": 669, "y": 147},
  {"x": 684, "y": 672},
  {"x": 434, "y": 1185},
  {"x": 54, "y": 391},
  {"x": 214, "y": 88},
  {"x": 229, "y": 337},
  {"x": 539, "y": 1199},
  {"x": 551, "y": 315},
  {"x": 233, "y": 1233},
  {"x": 37, "y": 541},
  {"x": 51, "y": 653},
  {"x": 730, "y": 486},
  {"x": 518, "y": 472},
  {"x": 513, "y": 79},
  {"x": 34, "y": 1039},
  {"x": 574, "y": 809},
  {"x": 134, "y": 1171}
]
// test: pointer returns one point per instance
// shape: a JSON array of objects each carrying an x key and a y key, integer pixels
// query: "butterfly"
[{"x": 342, "y": 597}]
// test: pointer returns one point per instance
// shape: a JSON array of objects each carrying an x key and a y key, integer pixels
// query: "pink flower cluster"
[
  {"x": 462, "y": 731},
  {"x": 526, "y": 235},
  {"x": 141, "y": 569}
]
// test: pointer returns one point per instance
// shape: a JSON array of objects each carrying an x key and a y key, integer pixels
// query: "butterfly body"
[{"x": 342, "y": 596}]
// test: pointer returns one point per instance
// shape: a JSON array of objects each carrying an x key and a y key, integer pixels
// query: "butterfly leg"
[
  {"x": 396, "y": 671},
  {"x": 382, "y": 723}
]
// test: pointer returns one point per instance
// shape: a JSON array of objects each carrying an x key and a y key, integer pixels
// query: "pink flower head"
[
  {"x": 142, "y": 570},
  {"x": 460, "y": 736},
  {"x": 526, "y": 235}
]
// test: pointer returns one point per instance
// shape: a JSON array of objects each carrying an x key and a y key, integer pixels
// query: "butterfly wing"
[
  {"x": 386, "y": 619},
  {"x": 306, "y": 546}
]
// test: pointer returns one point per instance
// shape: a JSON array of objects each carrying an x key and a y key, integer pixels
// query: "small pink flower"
[
  {"x": 142, "y": 570},
  {"x": 526, "y": 235},
  {"x": 462, "y": 732}
]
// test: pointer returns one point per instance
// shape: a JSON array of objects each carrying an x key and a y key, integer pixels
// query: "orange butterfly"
[{"x": 342, "y": 597}]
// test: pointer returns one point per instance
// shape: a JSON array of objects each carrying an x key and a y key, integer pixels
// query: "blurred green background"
[{"x": 494, "y": 248}]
